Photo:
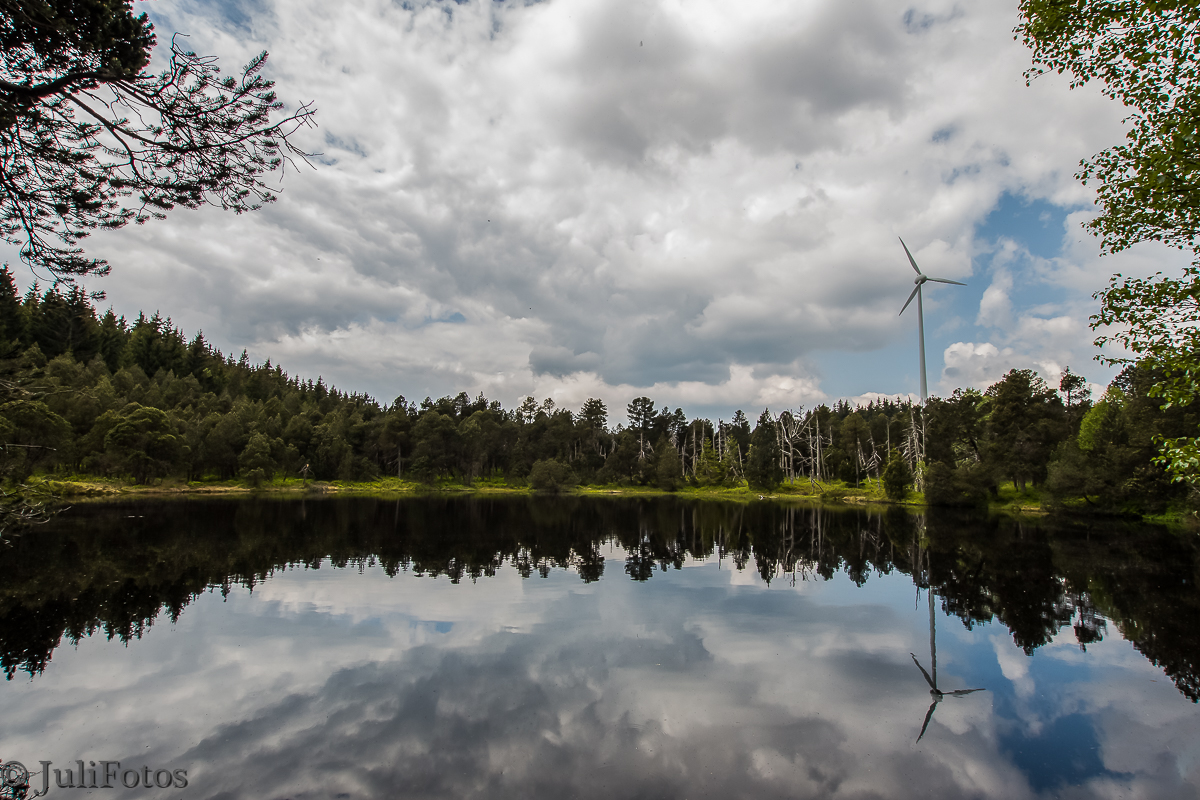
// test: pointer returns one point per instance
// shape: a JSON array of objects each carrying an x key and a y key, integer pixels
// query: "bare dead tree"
[{"x": 914, "y": 446}]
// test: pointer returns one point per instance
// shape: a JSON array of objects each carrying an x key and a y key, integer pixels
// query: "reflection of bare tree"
[
  {"x": 23, "y": 506},
  {"x": 1091, "y": 625}
]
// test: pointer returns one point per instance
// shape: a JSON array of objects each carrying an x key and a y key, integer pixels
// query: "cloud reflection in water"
[{"x": 695, "y": 683}]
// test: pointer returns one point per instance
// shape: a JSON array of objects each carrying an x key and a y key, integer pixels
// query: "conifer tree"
[
  {"x": 762, "y": 466},
  {"x": 897, "y": 477},
  {"x": 711, "y": 471},
  {"x": 255, "y": 462},
  {"x": 12, "y": 318},
  {"x": 668, "y": 468}
]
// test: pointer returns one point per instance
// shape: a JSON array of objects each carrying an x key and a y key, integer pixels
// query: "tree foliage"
[
  {"x": 1147, "y": 56},
  {"x": 551, "y": 475},
  {"x": 144, "y": 442},
  {"x": 90, "y": 139},
  {"x": 762, "y": 466},
  {"x": 1158, "y": 321},
  {"x": 1026, "y": 419},
  {"x": 668, "y": 467},
  {"x": 897, "y": 477}
]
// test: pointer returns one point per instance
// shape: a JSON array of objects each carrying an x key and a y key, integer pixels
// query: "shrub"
[
  {"x": 254, "y": 477},
  {"x": 950, "y": 486},
  {"x": 897, "y": 477},
  {"x": 551, "y": 475}
]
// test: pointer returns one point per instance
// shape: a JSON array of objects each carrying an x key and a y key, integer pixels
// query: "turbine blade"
[
  {"x": 961, "y": 692},
  {"x": 946, "y": 280},
  {"x": 928, "y": 716},
  {"x": 910, "y": 258},
  {"x": 928, "y": 679},
  {"x": 910, "y": 299}
]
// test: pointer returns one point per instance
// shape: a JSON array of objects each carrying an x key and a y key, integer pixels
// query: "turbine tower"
[{"x": 922, "y": 278}]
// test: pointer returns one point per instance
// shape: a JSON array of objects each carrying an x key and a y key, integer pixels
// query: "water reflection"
[
  {"x": 922, "y": 561},
  {"x": 757, "y": 651},
  {"x": 934, "y": 691},
  {"x": 117, "y": 568}
]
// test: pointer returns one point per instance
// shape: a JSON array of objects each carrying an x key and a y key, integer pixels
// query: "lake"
[{"x": 597, "y": 647}]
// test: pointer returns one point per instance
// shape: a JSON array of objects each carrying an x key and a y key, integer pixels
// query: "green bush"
[
  {"x": 950, "y": 486},
  {"x": 551, "y": 475},
  {"x": 897, "y": 477}
]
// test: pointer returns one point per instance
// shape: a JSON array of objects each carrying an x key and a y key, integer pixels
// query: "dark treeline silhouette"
[
  {"x": 93, "y": 393},
  {"x": 116, "y": 568}
]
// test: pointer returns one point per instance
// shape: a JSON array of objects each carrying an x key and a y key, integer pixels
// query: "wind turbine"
[{"x": 922, "y": 278}]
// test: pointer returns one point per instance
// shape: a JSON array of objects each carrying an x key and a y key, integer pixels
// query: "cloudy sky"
[{"x": 695, "y": 200}]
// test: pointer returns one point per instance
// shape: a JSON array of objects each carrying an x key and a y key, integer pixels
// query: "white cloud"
[
  {"x": 742, "y": 387},
  {"x": 977, "y": 365},
  {"x": 1014, "y": 665},
  {"x": 995, "y": 309}
]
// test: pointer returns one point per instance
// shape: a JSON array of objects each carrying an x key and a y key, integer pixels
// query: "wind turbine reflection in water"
[{"x": 934, "y": 691}]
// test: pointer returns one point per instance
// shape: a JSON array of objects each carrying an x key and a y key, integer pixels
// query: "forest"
[{"x": 94, "y": 394}]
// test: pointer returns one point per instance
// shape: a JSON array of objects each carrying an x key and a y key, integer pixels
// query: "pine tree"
[
  {"x": 762, "y": 466},
  {"x": 255, "y": 462},
  {"x": 668, "y": 468},
  {"x": 12, "y": 316},
  {"x": 711, "y": 470},
  {"x": 897, "y": 477}
]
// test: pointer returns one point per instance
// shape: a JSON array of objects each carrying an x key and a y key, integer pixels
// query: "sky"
[{"x": 696, "y": 201}]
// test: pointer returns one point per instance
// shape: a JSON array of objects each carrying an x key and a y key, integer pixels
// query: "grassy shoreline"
[
  {"x": 76, "y": 488},
  {"x": 1010, "y": 501}
]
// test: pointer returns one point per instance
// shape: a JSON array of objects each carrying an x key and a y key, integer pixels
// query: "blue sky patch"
[{"x": 1036, "y": 225}]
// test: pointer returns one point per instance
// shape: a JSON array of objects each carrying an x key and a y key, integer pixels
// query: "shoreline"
[
  {"x": 80, "y": 489},
  {"x": 76, "y": 489}
]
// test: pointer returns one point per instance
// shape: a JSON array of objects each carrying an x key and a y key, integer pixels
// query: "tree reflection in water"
[{"x": 117, "y": 568}]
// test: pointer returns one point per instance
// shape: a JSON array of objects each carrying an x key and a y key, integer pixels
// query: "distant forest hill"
[{"x": 95, "y": 394}]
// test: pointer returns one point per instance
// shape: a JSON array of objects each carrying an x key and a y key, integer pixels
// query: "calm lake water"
[{"x": 580, "y": 647}]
